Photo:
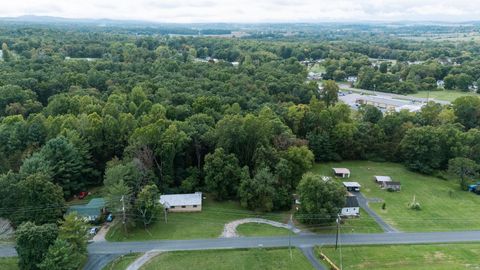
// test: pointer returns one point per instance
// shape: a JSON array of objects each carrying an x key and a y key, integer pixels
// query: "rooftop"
[
  {"x": 341, "y": 170},
  {"x": 351, "y": 201},
  {"x": 181, "y": 199},
  {"x": 92, "y": 208},
  {"x": 351, "y": 184},
  {"x": 383, "y": 178}
]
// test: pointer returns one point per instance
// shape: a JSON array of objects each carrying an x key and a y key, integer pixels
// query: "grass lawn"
[
  {"x": 208, "y": 223},
  {"x": 444, "y": 206},
  {"x": 362, "y": 224},
  {"x": 259, "y": 229},
  {"x": 278, "y": 259},
  {"x": 317, "y": 68},
  {"x": 400, "y": 257},
  {"x": 121, "y": 263},
  {"x": 448, "y": 95},
  {"x": 9, "y": 263}
]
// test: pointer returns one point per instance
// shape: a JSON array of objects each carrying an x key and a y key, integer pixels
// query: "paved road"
[
  {"x": 98, "y": 261},
  {"x": 363, "y": 202},
  {"x": 278, "y": 241},
  {"x": 391, "y": 95},
  {"x": 308, "y": 252}
]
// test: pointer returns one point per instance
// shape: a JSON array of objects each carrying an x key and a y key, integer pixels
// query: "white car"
[{"x": 93, "y": 231}]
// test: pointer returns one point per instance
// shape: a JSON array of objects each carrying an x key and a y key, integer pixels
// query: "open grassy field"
[
  {"x": 403, "y": 257},
  {"x": 9, "y": 263},
  {"x": 447, "y": 95},
  {"x": 362, "y": 224},
  {"x": 444, "y": 206},
  {"x": 259, "y": 229},
  {"x": 122, "y": 262},
  {"x": 208, "y": 223},
  {"x": 275, "y": 259}
]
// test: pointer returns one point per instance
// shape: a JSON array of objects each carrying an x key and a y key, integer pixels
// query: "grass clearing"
[
  {"x": 403, "y": 257},
  {"x": 9, "y": 263},
  {"x": 208, "y": 223},
  {"x": 278, "y": 259},
  {"x": 96, "y": 192},
  {"x": 447, "y": 95},
  {"x": 122, "y": 262},
  {"x": 362, "y": 224},
  {"x": 317, "y": 68},
  {"x": 444, "y": 206},
  {"x": 260, "y": 229}
]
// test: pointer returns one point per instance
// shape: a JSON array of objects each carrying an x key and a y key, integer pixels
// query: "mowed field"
[
  {"x": 447, "y": 95},
  {"x": 208, "y": 223},
  {"x": 240, "y": 259},
  {"x": 9, "y": 263},
  {"x": 444, "y": 207},
  {"x": 406, "y": 257}
]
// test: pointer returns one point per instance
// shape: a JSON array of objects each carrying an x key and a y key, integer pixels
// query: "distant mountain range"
[{"x": 114, "y": 22}]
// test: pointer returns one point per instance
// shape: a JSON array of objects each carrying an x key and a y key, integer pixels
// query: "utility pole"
[
  {"x": 165, "y": 211},
  {"x": 338, "y": 229},
  {"x": 124, "y": 221},
  {"x": 290, "y": 237}
]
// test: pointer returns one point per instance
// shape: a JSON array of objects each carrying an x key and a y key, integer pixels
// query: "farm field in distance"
[
  {"x": 404, "y": 257},
  {"x": 241, "y": 259},
  {"x": 444, "y": 207}
]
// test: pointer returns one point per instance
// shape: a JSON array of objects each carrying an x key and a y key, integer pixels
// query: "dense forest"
[{"x": 144, "y": 114}]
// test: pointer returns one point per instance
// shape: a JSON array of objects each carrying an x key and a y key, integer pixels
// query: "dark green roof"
[{"x": 93, "y": 208}]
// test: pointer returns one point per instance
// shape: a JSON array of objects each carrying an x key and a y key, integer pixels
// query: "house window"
[
  {"x": 194, "y": 206},
  {"x": 183, "y": 206},
  {"x": 171, "y": 207}
]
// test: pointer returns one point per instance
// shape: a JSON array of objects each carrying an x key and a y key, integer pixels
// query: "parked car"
[
  {"x": 82, "y": 195},
  {"x": 93, "y": 231},
  {"x": 109, "y": 218}
]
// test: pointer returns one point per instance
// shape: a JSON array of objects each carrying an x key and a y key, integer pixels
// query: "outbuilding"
[
  {"x": 392, "y": 185},
  {"x": 381, "y": 179},
  {"x": 352, "y": 186},
  {"x": 341, "y": 172},
  {"x": 351, "y": 208},
  {"x": 191, "y": 202}
]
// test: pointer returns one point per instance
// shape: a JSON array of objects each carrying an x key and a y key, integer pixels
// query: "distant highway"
[{"x": 391, "y": 95}]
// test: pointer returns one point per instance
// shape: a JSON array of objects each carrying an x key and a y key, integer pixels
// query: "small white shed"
[{"x": 341, "y": 172}]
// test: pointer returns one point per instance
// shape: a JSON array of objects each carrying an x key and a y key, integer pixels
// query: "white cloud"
[{"x": 249, "y": 10}]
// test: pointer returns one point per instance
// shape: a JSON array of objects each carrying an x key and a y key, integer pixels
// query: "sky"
[{"x": 249, "y": 11}]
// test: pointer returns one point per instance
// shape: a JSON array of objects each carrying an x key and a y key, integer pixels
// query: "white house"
[
  {"x": 351, "y": 208},
  {"x": 182, "y": 202}
]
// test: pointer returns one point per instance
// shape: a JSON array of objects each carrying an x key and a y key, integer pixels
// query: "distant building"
[
  {"x": 380, "y": 179},
  {"x": 341, "y": 172},
  {"x": 351, "y": 208},
  {"x": 182, "y": 202},
  {"x": 392, "y": 185},
  {"x": 352, "y": 79},
  {"x": 440, "y": 84},
  {"x": 352, "y": 186}
]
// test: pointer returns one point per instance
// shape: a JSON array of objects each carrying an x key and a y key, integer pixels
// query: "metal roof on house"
[
  {"x": 351, "y": 201},
  {"x": 91, "y": 209},
  {"x": 341, "y": 170},
  {"x": 382, "y": 178},
  {"x": 351, "y": 184},
  {"x": 181, "y": 199}
]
